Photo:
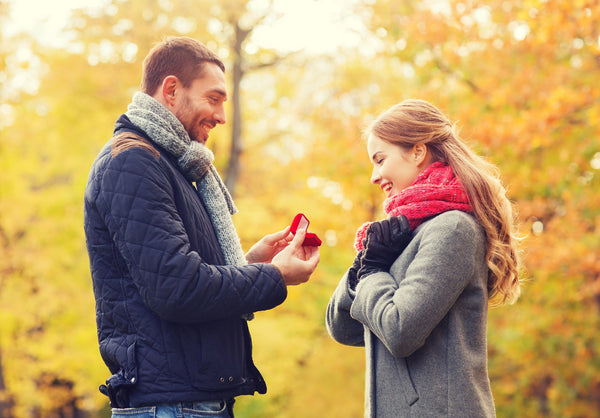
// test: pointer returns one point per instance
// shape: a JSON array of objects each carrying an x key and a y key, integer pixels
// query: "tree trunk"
[{"x": 233, "y": 167}]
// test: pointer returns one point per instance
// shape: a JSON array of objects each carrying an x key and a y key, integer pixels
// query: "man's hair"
[{"x": 182, "y": 57}]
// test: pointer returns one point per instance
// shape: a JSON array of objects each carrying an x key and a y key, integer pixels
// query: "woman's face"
[{"x": 394, "y": 168}]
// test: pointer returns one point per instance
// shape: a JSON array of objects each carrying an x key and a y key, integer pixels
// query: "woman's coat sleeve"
[
  {"x": 403, "y": 311},
  {"x": 340, "y": 325}
]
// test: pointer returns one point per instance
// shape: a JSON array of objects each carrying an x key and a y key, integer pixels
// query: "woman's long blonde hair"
[{"x": 416, "y": 121}]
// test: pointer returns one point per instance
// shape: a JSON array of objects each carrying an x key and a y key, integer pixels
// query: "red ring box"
[{"x": 311, "y": 239}]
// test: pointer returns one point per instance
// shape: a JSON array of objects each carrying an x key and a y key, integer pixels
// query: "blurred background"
[{"x": 520, "y": 77}]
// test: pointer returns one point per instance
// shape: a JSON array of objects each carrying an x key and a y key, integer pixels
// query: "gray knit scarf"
[{"x": 195, "y": 162}]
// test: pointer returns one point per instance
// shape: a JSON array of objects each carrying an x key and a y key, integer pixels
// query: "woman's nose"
[{"x": 375, "y": 177}]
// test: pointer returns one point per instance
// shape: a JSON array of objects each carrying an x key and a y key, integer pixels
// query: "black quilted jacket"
[{"x": 168, "y": 310}]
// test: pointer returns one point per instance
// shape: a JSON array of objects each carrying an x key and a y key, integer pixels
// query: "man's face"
[{"x": 200, "y": 106}]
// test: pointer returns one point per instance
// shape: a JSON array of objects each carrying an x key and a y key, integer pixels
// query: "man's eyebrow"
[{"x": 220, "y": 92}]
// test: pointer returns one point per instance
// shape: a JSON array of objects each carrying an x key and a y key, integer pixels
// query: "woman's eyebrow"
[{"x": 374, "y": 156}]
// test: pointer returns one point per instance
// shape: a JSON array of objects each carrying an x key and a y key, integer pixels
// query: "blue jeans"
[{"x": 208, "y": 409}]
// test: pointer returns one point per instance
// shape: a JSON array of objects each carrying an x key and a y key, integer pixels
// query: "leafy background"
[{"x": 519, "y": 77}]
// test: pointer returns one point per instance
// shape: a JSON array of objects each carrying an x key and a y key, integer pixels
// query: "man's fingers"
[
  {"x": 299, "y": 238},
  {"x": 277, "y": 236},
  {"x": 313, "y": 255}
]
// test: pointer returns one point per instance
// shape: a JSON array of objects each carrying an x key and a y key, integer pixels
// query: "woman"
[{"x": 418, "y": 291}]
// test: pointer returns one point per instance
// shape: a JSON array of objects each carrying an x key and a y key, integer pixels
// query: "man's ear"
[
  {"x": 419, "y": 153},
  {"x": 169, "y": 89}
]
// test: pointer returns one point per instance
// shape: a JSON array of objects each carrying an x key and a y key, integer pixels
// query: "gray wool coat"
[{"x": 423, "y": 325}]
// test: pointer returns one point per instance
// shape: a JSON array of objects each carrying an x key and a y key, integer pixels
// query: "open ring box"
[{"x": 302, "y": 222}]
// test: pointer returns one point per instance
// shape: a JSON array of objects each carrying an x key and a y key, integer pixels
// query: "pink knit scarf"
[{"x": 435, "y": 190}]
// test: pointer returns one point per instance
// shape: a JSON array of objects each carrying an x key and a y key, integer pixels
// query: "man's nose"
[{"x": 220, "y": 115}]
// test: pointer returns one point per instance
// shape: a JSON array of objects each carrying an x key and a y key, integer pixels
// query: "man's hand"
[
  {"x": 269, "y": 246},
  {"x": 295, "y": 262}
]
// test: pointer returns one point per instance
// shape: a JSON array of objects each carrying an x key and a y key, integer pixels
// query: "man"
[{"x": 173, "y": 288}]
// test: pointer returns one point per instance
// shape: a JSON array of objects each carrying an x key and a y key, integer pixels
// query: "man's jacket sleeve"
[{"x": 136, "y": 201}]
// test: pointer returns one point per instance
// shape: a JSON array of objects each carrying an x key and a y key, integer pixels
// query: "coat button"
[
  {"x": 231, "y": 378},
  {"x": 222, "y": 380}
]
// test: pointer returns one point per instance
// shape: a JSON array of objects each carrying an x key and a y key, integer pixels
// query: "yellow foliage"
[{"x": 520, "y": 77}]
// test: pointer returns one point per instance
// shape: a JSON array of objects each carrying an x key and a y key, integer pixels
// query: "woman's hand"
[
  {"x": 385, "y": 241},
  {"x": 269, "y": 246}
]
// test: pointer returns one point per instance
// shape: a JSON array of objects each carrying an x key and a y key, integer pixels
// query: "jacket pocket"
[
  {"x": 118, "y": 385},
  {"x": 407, "y": 387},
  {"x": 224, "y": 355}
]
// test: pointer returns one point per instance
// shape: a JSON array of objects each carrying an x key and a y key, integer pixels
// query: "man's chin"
[{"x": 200, "y": 139}]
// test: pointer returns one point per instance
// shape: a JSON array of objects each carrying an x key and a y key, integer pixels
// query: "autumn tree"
[
  {"x": 519, "y": 79},
  {"x": 58, "y": 128},
  {"x": 517, "y": 76}
]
